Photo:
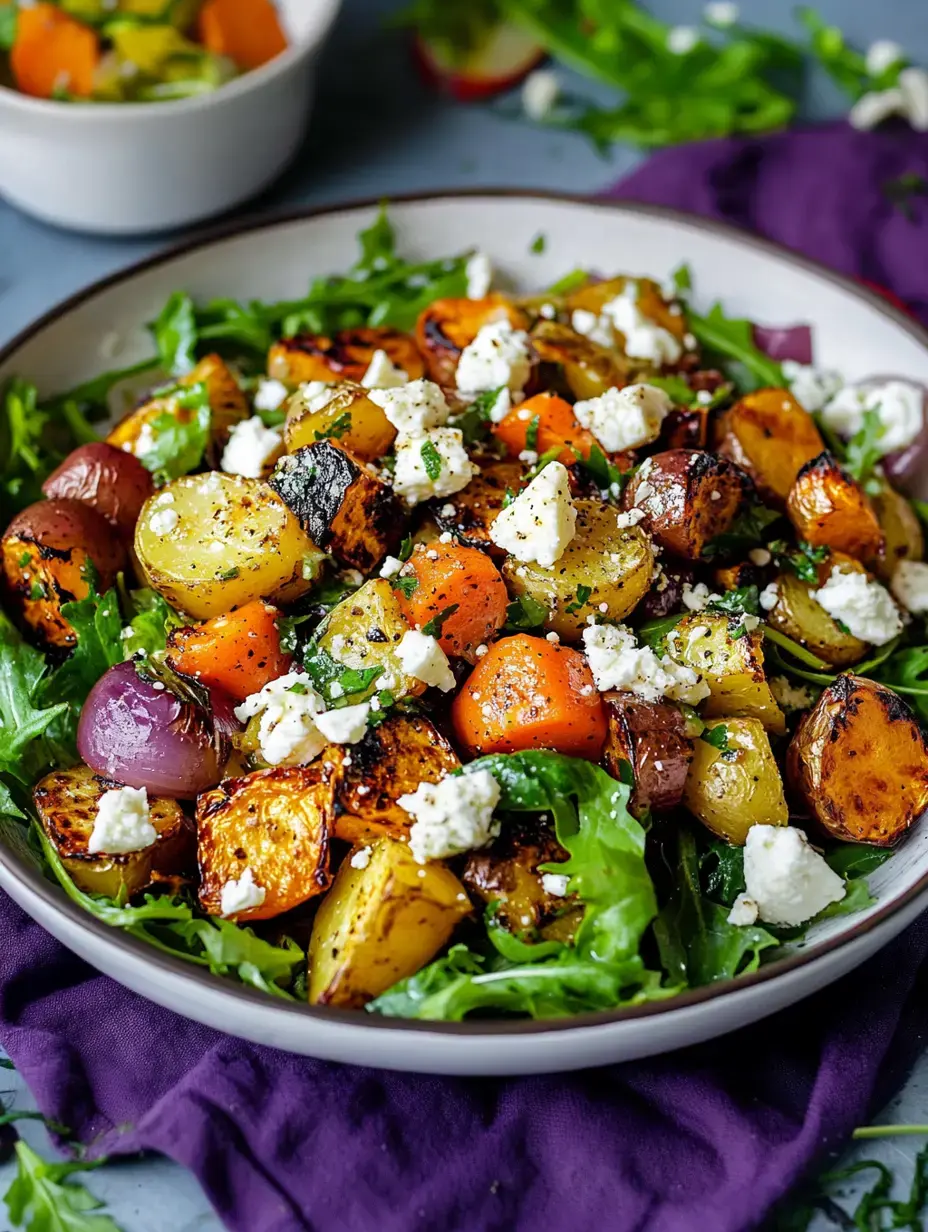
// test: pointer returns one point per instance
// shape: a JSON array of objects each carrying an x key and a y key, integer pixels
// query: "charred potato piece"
[
  {"x": 685, "y": 428},
  {"x": 469, "y": 514},
  {"x": 234, "y": 540},
  {"x": 614, "y": 564},
  {"x": 649, "y": 299},
  {"x": 348, "y": 416},
  {"x": 733, "y": 788},
  {"x": 830, "y": 509},
  {"x": 343, "y": 507},
  {"x": 651, "y": 737},
  {"x": 277, "y": 823},
  {"x": 344, "y": 356},
  {"x": 735, "y": 577},
  {"x": 381, "y": 923},
  {"x": 391, "y": 761},
  {"x": 688, "y": 497},
  {"x": 447, "y": 326},
  {"x": 731, "y": 665},
  {"x": 859, "y": 763},
  {"x": 363, "y": 631},
  {"x": 508, "y": 875},
  {"x": 803, "y": 619},
  {"x": 769, "y": 435},
  {"x": 575, "y": 365},
  {"x": 67, "y": 802},
  {"x": 108, "y": 479},
  {"x": 902, "y": 531},
  {"x": 46, "y": 552}
]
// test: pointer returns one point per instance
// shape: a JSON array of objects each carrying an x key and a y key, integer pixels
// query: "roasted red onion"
[{"x": 786, "y": 342}]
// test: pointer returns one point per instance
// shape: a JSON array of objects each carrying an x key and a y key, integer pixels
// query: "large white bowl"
[
  {"x": 855, "y": 331},
  {"x": 130, "y": 168}
]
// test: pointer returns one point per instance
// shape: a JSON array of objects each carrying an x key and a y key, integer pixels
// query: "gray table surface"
[{"x": 376, "y": 132}]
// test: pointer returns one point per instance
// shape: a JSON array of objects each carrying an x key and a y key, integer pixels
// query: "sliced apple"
[{"x": 505, "y": 58}]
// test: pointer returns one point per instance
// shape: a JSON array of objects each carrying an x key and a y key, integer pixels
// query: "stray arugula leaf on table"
[{"x": 43, "y": 1198}]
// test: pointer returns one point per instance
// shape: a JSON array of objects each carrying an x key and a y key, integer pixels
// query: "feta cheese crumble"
[
  {"x": 555, "y": 884},
  {"x": 346, "y": 725},
  {"x": 882, "y": 55},
  {"x": 769, "y": 597},
  {"x": 790, "y": 696},
  {"x": 811, "y": 387},
  {"x": 744, "y": 912},
  {"x": 316, "y": 395},
  {"x": 787, "y": 879},
  {"x": 122, "y": 823},
  {"x": 360, "y": 858},
  {"x": 540, "y": 92},
  {"x": 413, "y": 408},
  {"x": 618, "y": 662},
  {"x": 910, "y": 585},
  {"x": 643, "y": 338},
  {"x": 479, "y": 274},
  {"x": 294, "y": 725},
  {"x": 390, "y": 567},
  {"x": 499, "y": 355},
  {"x": 251, "y": 447},
  {"x": 899, "y": 406},
  {"x": 382, "y": 373},
  {"x": 452, "y": 816},
  {"x": 423, "y": 658},
  {"x": 270, "y": 395},
  {"x": 163, "y": 521},
  {"x": 441, "y": 447},
  {"x": 241, "y": 895},
  {"x": 862, "y": 604},
  {"x": 625, "y": 418},
  {"x": 697, "y": 598},
  {"x": 541, "y": 521}
]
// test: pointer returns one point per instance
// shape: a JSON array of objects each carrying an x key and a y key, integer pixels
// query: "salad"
[
  {"x": 133, "y": 51},
  {"x": 421, "y": 649}
]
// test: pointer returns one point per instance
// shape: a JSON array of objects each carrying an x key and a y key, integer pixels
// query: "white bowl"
[
  {"x": 130, "y": 168},
  {"x": 855, "y": 331}
]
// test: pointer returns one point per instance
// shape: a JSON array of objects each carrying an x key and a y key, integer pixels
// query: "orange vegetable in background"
[
  {"x": 53, "y": 52},
  {"x": 557, "y": 425},
  {"x": 239, "y": 652},
  {"x": 247, "y": 31},
  {"x": 527, "y": 693},
  {"x": 451, "y": 576}
]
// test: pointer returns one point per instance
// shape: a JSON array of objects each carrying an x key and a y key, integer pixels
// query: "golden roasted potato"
[
  {"x": 688, "y": 497},
  {"x": 277, "y": 823},
  {"x": 234, "y": 540},
  {"x": 830, "y": 509},
  {"x": 614, "y": 564},
  {"x": 649, "y": 299},
  {"x": 651, "y": 737},
  {"x": 391, "y": 761},
  {"x": 470, "y": 513},
  {"x": 859, "y": 763},
  {"x": 803, "y": 619},
  {"x": 343, "y": 507},
  {"x": 447, "y": 326},
  {"x": 769, "y": 435},
  {"x": 902, "y": 532},
  {"x": 381, "y": 923},
  {"x": 345, "y": 356},
  {"x": 67, "y": 802},
  {"x": 732, "y": 788},
  {"x": 574, "y": 364},
  {"x": 363, "y": 631},
  {"x": 348, "y": 417},
  {"x": 733, "y": 667},
  {"x": 507, "y": 874},
  {"x": 46, "y": 552}
]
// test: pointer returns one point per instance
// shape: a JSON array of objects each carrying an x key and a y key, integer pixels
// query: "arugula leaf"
[
  {"x": 863, "y": 449},
  {"x": 531, "y": 433},
  {"x": 405, "y": 549},
  {"x": 525, "y": 614},
  {"x": 24, "y": 458},
  {"x": 906, "y": 673},
  {"x": 23, "y": 719},
  {"x": 851, "y": 860},
  {"x": 43, "y": 1199},
  {"x": 175, "y": 333},
  {"x": 653, "y": 633},
  {"x": 539, "y": 243},
  {"x": 475, "y": 422},
  {"x": 431, "y": 460},
  {"x": 607, "y": 477},
  {"x": 573, "y": 281},
  {"x": 722, "y": 868},
  {"x": 744, "y": 599},
  {"x": 179, "y": 439},
  {"x": 92, "y": 397},
  {"x": 677, "y": 390},
  {"x": 717, "y": 736},
  {"x": 148, "y": 628},
  {"x": 732, "y": 339},
  {"x": 433, "y": 627}
]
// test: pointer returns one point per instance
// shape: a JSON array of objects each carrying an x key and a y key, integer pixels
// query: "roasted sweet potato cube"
[
  {"x": 447, "y": 326},
  {"x": 508, "y": 875},
  {"x": 829, "y": 508},
  {"x": 344, "y": 356},
  {"x": 651, "y": 737},
  {"x": 770, "y": 436}
]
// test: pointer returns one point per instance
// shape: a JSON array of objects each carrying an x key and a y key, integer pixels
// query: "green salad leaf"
[
  {"x": 151, "y": 620},
  {"x": 7, "y": 26},
  {"x": 43, "y": 1198},
  {"x": 863, "y": 449},
  {"x": 730, "y": 340},
  {"x": 175, "y": 333},
  {"x": 179, "y": 441},
  {"x": 525, "y": 614},
  {"x": 24, "y": 719}
]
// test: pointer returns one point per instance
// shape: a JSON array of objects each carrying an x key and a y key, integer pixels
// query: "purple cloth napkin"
[{"x": 703, "y": 1139}]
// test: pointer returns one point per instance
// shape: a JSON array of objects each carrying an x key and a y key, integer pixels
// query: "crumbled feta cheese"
[
  {"x": 479, "y": 273},
  {"x": 241, "y": 895},
  {"x": 315, "y": 396},
  {"x": 423, "y": 658},
  {"x": 251, "y": 447},
  {"x": 770, "y": 597},
  {"x": 391, "y": 567},
  {"x": 697, "y": 598},
  {"x": 540, "y": 522},
  {"x": 617, "y": 662},
  {"x": 452, "y": 816},
  {"x": 548, "y": 311},
  {"x": 743, "y": 912},
  {"x": 624, "y": 418},
  {"x": 682, "y": 39},
  {"x": 411, "y": 478},
  {"x": 552, "y": 637},
  {"x": 721, "y": 13},
  {"x": 811, "y": 387},
  {"x": 270, "y": 395},
  {"x": 499, "y": 355},
  {"x": 382, "y": 373},
  {"x": 787, "y": 879},
  {"x": 899, "y": 406},
  {"x": 759, "y": 557},
  {"x": 643, "y": 338},
  {"x": 631, "y": 518},
  {"x": 344, "y": 726},
  {"x": 540, "y": 92},
  {"x": 163, "y": 521},
  {"x": 481, "y": 650},
  {"x": 555, "y": 884},
  {"x": 122, "y": 822},
  {"x": 413, "y": 408},
  {"x": 597, "y": 328},
  {"x": 862, "y": 604},
  {"x": 882, "y": 55},
  {"x": 790, "y": 696},
  {"x": 910, "y": 585},
  {"x": 360, "y": 858},
  {"x": 501, "y": 406},
  {"x": 913, "y": 82},
  {"x": 287, "y": 734}
]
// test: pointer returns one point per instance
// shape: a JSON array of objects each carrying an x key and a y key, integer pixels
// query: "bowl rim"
[
  {"x": 324, "y": 14},
  {"x": 55, "y": 898}
]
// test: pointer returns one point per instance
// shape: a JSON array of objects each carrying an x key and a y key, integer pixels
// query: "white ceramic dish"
[
  {"x": 855, "y": 331},
  {"x": 124, "y": 169}
]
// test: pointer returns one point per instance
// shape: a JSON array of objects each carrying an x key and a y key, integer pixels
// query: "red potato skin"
[
  {"x": 113, "y": 482},
  {"x": 651, "y": 737}
]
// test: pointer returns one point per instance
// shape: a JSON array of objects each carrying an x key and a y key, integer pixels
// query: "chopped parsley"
[
  {"x": 531, "y": 432},
  {"x": 407, "y": 586},
  {"x": 525, "y": 613},
  {"x": 337, "y": 429},
  {"x": 434, "y": 627},
  {"x": 539, "y": 243},
  {"x": 405, "y": 549},
  {"x": 717, "y": 736},
  {"x": 803, "y": 559},
  {"x": 581, "y": 600},
  {"x": 431, "y": 460}
]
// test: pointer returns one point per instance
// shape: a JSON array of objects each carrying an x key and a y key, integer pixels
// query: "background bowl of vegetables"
[{"x": 143, "y": 115}]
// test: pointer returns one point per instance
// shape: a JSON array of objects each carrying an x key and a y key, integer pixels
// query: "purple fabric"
[{"x": 704, "y": 1139}]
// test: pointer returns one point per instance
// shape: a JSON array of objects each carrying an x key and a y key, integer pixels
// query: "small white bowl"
[{"x": 130, "y": 168}]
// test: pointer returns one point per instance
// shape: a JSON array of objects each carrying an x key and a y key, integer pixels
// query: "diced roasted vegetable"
[
  {"x": 685, "y": 428},
  {"x": 575, "y": 365},
  {"x": 345, "y": 356},
  {"x": 830, "y": 509},
  {"x": 108, "y": 479},
  {"x": 798, "y": 615},
  {"x": 734, "y": 782},
  {"x": 507, "y": 876},
  {"x": 902, "y": 531},
  {"x": 648, "y": 299},
  {"x": 470, "y": 513},
  {"x": 772, "y": 437},
  {"x": 349, "y": 417},
  {"x": 447, "y": 326},
  {"x": 363, "y": 632},
  {"x": 650, "y": 737}
]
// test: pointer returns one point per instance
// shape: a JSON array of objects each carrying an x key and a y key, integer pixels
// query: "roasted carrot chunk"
[
  {"x": 239, "y": 652},
  {"x": 53, "y": 53},
  {"x": 829, "y": 508},
  {"x": 541, "y": 423},
  {"x": 526, "y": 693},
  {"x": 247, "y": 31},
  {"x": 461, "y": 591}
]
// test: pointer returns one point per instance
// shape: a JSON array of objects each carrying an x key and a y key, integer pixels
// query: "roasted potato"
[
  {"x": 348, "y": 417},
  {"x": 470, "y": 513},
  {"x": 343, "y": 507},
  {"x": 859, "y": 763},
  {"x": 769, "y": 435},
  {"x": 278, "y": 824},
  {"x": 447, "y": 326},
  {"x": 575, "y": 365},
  {"x": 803, "y": 619},
  {"x": 649, "y": 299},
  {"x": 651, "y": 737},
  {"x": 391, "y": 761},
  {"x": 830, "y": 509},
  {"x": 234, "y": 540},
  {"x": 506, "y": 874},
  {"x": 363, "y": 631},
  {"x": 902, "y": 532},
  {"x": 345, "y": 356},
  {"x": 47, "y": 549},
  {"x": 732, "y": 666},
  {"x": 613, "y": 564},
  {"x": 735, "y": 577},
  {"x": 108, "y": 479},
  {"x": 732, "y": 788},
  {"x": 688, "y": 497},
  {"x": 381, "y": 923},
  {"x": 67, "y": 802},
  {"x": 685, "y": 428}
]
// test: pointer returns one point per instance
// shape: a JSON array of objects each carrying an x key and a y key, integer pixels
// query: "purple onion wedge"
[{"x": 785, "y": 342}]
